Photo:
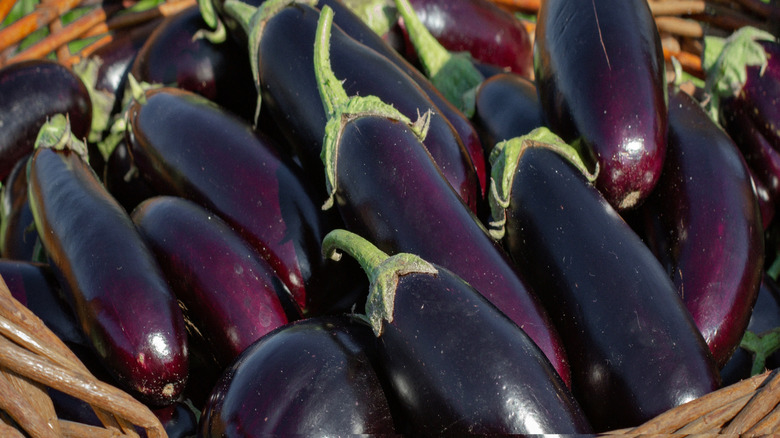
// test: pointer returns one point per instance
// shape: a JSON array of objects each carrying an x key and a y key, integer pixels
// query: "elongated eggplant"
[
  {"x": 309, "y": 377},
  {"x": 705, "y": 226},
  {"x": 228, "y": 292},
  {"x": 32, "y": 92},
  {"x": 388, "y": 190},
  {"x": 109, "y": 276},
  {"x": 456, "y": 363},
  {"x": 599, "y": 69},
  {"x": 175, "y": 55},
  {"x": 18, "y": 236},
  {"x": 184, "y": 145},
  {"x": 282, "y": 58},
  {"x": 634, "y": 349}
]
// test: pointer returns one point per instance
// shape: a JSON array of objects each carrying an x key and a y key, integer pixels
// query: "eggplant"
[
  {"x": 488, "y": 33},
  {"x": 388, "y": 190},
  {"x": 634, "y": 350},
  {"x": 600, "y": 74},
  {"x": 704, "y": 226},
  {"x": 227, "y": 291},
  {"x": 313, "y": 377},
  {"x": 456, "y": 363},
  {"x": 34, "y": 91},
  {"x": 18, "y": 236},
  {"x": 109, "y": 276},
  {"x": 281, "y": 50},
  {"x": 122, "y": 178},
  {"x": 184, "y": 145},
  {"x": 177, "y": 55}
]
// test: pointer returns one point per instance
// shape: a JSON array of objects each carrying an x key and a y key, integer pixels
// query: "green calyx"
[
  {"x": 761, "y": 347},
  {"x": 383, "y": 272},
  {"x": 56, "y": 134},
  {"x": 454, "y": 74},
  {"x": 341, "y": 108},
  {"x": 379, "y": 15},
  {"x": 504, "y": 160},
  {"x": 725, "y": 63}
]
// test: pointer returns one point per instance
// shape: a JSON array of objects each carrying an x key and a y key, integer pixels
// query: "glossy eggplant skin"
[
  {"x": 33, "y": 91},
  {"x": 313, "y": 377},
  {"x": 173, "y": 56},
  {"x": 172, "y": 140},
  {"x": 289, "y": 89},
  {"x": 17, "y": 231},
  {"x": 506, "y": 106},
  {"x": 390, "y": 192},
  {"x": 599, "y": 70},
  {"x": 634, "y": 350},
  {"x": 109, "y": 276},
  {"x": 228, "y": 292},
  {"x": 705, "y": 226},
  {"x": 490, "y": 34}
]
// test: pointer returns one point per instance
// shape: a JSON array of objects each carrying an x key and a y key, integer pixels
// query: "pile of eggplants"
[{"x": 286, "y": 228}]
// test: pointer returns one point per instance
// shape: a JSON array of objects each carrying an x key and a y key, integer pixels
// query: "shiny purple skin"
[
  {"x": 389, "y": 191},
  {"x": 633, "y": 349},
  {"x": 490, "y": 34},
  {"x": 33, "y": 91},
  {"x": 228, "y": 292},
  {"x": 186, "y": 146},
  {"x": 109, "y": 276},
  {"x": 172, "y": 56},
  {"x": 599, "y": 69},
  {"x": 507, "y": 106},
  {"x": 17, "y": 233},
  {"x": 285, "y": 63},
  {"x": 459, "y": 366},
  {"x": 313, "y": 377},
  {"x": 761, "y": 92},
  {"x": 706, "y": 226}
]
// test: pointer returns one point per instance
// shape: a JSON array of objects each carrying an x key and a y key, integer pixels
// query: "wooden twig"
[
  {"x": 759, "y": 406},
  {"x": 690, "y": 63},
  {"x": 728, "y": 18},
  {"x": 677, "y": 7},
  {"x": 119, "y": 21},
  {"x": 112, "y": 36},
  {"x": 5, "y": 8},
  {"x": 531, "y": 6},
  {"x": 40, "y": 17},
  {"x": 765, "y": 10}
]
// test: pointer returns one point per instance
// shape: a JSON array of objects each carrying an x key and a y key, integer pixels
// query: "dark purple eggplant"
[
  {"x": 600, "y": 73},
  {"x": 230, "y": 294},
  {"x": 488, "y": 33},
  {"x": 633, "y": 348},
  {"x": 123, "y": 180},
  {"x": 18, "y": 236},
  {"x": 506, "y": 106},
  {"x": 313, "y": 377},
  {"x": 184, "y": 145},
  {"x": 179, "y": 420},
  {"x": 109, "y": 276},
  {"x": 175, "y": 55},
  {"x": 388, "y": 190},
  {"x": 32, "y": 92},
  {"x": 455, "y": 363},
  {"x": 705, "y": 226},
  {"x": 282, "y": 56}
]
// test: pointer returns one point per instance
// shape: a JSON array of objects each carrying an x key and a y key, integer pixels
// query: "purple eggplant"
[
  {"x": 109, "y": 276},
  {"x": 184, "y": 145},
  {"x": 176, "y": 55},
  {"x": 312, "y": 377},
  {"x": 634, "y": 350},
  {"x": 388, "y": 190},
  {"x": 227, "y": 291},
  {"x": 705, "y": 226},
  {"x": 455, "y": 363},
  {"x": 600, "y": 74},
  {"x": 18, "y": 236},
  {"x": 282, "y": 56},
  {"x": 32, "y": 92}
]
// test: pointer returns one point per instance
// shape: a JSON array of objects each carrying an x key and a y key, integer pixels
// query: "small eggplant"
[
  {"x": 18, "y": 236},
  {"x": 34, "y": 91},
  {"x": 108, "y": 274},
  {"x": 634, "y": 349},
  {"x": 227, "y": 291},
  {"x": 455, "y": 363},
  {"x": 173, "y": 137},
  {"x": 388, "y": 190},
  {"x": 600, "y": 73},
  {"x": 313, "y": 377},
  {"x": 705, "y": 226}
]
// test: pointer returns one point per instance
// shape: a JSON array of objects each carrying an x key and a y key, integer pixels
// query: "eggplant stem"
[
  {"x": 331, "y": 90},
  {"x": 367, "y": 255}
]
